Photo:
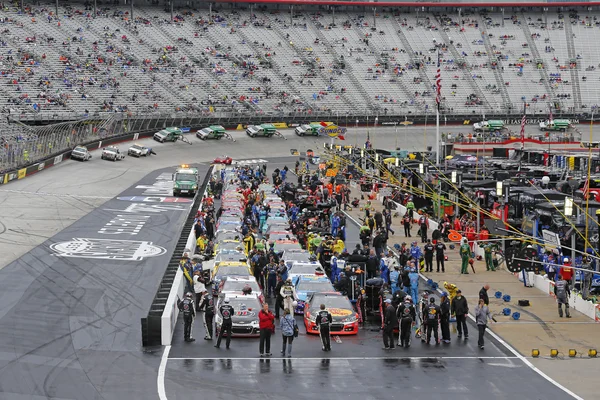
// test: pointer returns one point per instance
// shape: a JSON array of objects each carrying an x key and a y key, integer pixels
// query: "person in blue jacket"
[
  {"x": 394, "y": 276},
  {"x": 384, "y": 271},
  {"x": 416, "y": 252},
  {"x": 413, "y": 275}
]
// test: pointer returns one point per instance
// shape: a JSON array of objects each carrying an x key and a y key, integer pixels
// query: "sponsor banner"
[
  {"x": 551, "y": 288},
  {"x": 58, "y": 159},
  {"x": 280, "y": 125},
  {"x": 332, "y": 131},
  {"x": 41, "y": 166},
  {"x": 22, "y": 173},
  {"x": 551, "y": 240},
  {"x": 597, "y": 312},
  {"x": 136, "y": 136}
]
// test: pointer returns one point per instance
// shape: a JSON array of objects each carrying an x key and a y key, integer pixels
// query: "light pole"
[{"x": 568, "y": 211}]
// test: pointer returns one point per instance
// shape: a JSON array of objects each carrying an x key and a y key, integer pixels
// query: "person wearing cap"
[
  {"x": 432, "y": 317},
  {"x": 390, "y": 321},
  {"x": 460, "y": 308},
  {"x": 407, "y": 315},
  {"x": 226, "y": 312},
  {"x": 445, "y": 317}
]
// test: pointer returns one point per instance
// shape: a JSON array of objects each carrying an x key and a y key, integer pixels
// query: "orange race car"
[{"x": 345, "y": 319}]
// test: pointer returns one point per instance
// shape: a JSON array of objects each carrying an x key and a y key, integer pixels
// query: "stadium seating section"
[{"x": 270, "y": 62}]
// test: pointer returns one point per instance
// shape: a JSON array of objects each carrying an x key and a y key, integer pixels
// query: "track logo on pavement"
[
  {"x": 107, "y": 249},
  {"x": 155, "y": 199}
]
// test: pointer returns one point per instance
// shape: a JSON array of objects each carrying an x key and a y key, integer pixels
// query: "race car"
[
  {"x": 345, "y": 319},
  {"x": 308, "y": 285},
  {"x": 112, "y": 153},
  {"x": 138, "y": 151},
  {"x": 231, "y": 268},
  {"x": 223, "y": 160},
  {"x": 245, "y": 315},
  {"x": 293, "y": 255},
  {"x": 81, "y": 153},
  {"x": 235, "y": 285},
  {"x": 308, "y": 268}
]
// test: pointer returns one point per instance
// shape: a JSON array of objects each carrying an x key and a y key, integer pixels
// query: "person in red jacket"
[
  {"x": 266, "y": 325},
  {"x": 566, "y": 271}
]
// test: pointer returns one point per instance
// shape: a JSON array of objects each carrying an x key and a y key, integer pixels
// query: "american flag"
[
  {"x": 523, "y": 122},
  {"x": 438, "y": 83}
]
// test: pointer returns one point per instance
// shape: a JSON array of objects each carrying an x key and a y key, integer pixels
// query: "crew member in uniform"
[
  {"x": 407, "y": 316},
  {"x": 226, "y": 311},
  {"x": 445, "y": 318},
  {"x": 428, "y": 249},
  {"x": 288, "y": 292},
  {"x": 440, "y": 247},
  {"x": 186, "y": 306},
  {"x": 208, "y": 304},
  {"x": 433, "y": 317},
  {"x": 323, "y": 322}
]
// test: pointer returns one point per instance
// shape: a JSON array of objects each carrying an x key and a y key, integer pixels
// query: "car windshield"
[
  {"x": 185, "y": 177},
  {"x": 305, "y": 269},
  {"x": 297, "y": 256},
  {"x": 324, "y": 286},
  {"x": 137, "y": 147},
  {"x": 332, "y": 301},
  {"x": 248, "y": 304},
  {"x": 237, "y": 286},
  {"x": 79, "y": 148},
  {"x": 228, "y": 255},
  {"x": 230, "y": 270},
  {"x": 306, "y": 127},
  {"x": 112, "y": 149},
  {"x": 206, "y": 130}
]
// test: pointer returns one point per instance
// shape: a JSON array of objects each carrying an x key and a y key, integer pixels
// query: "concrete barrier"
[
  {"x": 586, "y": 307},
  {"x": 169, "y": 317}
]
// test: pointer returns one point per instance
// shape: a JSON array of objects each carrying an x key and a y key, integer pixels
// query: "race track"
[{"x": 69, "y": 326}]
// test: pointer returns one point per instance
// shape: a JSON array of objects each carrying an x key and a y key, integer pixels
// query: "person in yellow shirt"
[
  {"x": 339, "y": 246},
  {"x": 201, "y": 243},
  {"x": 249, "y": 242}
]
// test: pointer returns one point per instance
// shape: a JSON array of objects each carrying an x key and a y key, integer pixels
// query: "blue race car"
[{"x": 307, "y": 285}]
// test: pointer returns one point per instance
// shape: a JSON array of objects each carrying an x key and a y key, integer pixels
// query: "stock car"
[
  {"x": 112, "y": 153},
  {"x": 231, "y": 268},
  {"x": 229, "y": 255},
  {"x": 223, "y": 160},
  {"x": 81, "y": 153},
  {"x": 308, "y": 285},
  {"x": 345, "y": 319},
  {"x": 295, "y": 255},
  {"x": 231, "y": 245},
  {"x": 281, "y": 235},
  {"x": 308, "y": 268},
  {"x": 234, "y": 285},
  {"x": 226, "y": 234},
  {"x": 138, "y": 150},
  {"x": 245, "y": 315}
]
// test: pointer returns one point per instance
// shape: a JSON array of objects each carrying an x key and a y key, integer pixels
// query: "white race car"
[
  {"x": 112, "y": 153},
  {"x": 138, "y": 151}
]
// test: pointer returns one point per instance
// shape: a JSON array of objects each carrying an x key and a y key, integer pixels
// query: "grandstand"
[{"x": 271, "y": 60}]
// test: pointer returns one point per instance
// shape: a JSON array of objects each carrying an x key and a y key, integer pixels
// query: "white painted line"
[
  {"x": 506, "y": 345},
  {"x": 74, "y": 196},
  {"x": 344, "y": 358},
  {"x": 160, "y": 379}
]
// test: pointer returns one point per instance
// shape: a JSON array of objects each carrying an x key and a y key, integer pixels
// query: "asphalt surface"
[
  {"x": 356, "y": 368},
  {"x": 69, "y": 326},
  {"x": 70, "y": 321}
]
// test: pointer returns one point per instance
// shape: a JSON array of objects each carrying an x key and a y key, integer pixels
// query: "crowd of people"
[{"x": 109, "y": 55}]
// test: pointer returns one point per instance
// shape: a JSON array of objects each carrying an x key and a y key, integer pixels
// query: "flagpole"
[
  {"x": 438, "y": 84},
  {"x": 589, "y": 171}
]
